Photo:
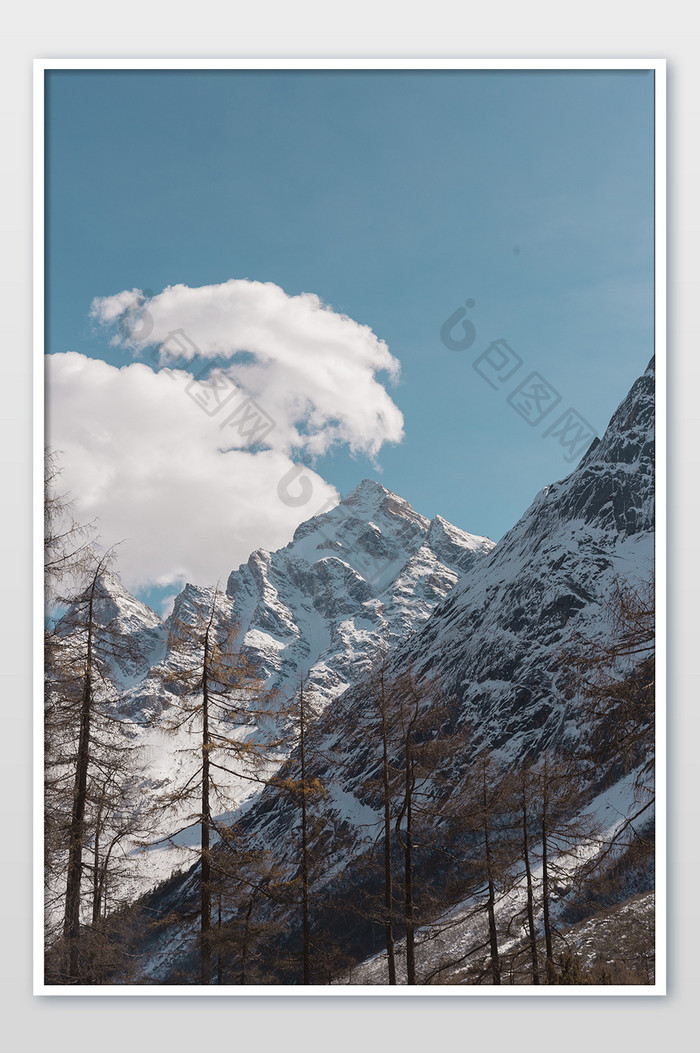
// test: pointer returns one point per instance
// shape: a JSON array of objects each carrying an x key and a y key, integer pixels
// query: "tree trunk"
[
  {"x": 306, "y": 932},
  {"x": 205, "y": 890},
  {"x": 219, "y": 953},
  {"x": 407, "y": 843},
  {"x": 388, "y": 889},
  {"x": 408, "y": 871},
  {"x": 96, "y": 874},
  {"x": 246, "y": 939},
  {"x": 530, "y": 897},
  {"x": 491, "y": 903},
  {"x": 71, "y": 921},
  {"x": 545, "y": 902},
  {"x": 100, "y": 908},
  {"x": 549, "y": 963},
  {"x": 491, "y": 909}
]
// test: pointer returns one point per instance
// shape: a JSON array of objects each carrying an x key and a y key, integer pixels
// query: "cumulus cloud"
[
  {"x": 113, "y": 307},
  {"x": 314, "y": 371},
  {"x": 139, "y": 455},
  {"x": 194, "y": 470}
]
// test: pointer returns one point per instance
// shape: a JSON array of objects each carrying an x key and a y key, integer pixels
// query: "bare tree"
[
  {"x": 483, "y": 812},
  {"x": 93, "y": 795},
  {"x": 554, "y": 788},
  {"x": 71, "y": 924},
  {"x": 416, "y": 722},
  {"x": 221, "y": 700},
  {"x": 300, "y": 782},
  {"x": 68, "y": 545},
  {"x": 614, "y": 677},
  {"x": 383, "y": 697},
  {"x": 523, "y": 790},
  {"x": 248, "y": 891}
]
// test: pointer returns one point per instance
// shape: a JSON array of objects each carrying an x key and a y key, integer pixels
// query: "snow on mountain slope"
[
  {"x": 364, "y": 574},
  {"x": 496, "y": 640},
  {"x": 131, "y": 637},
  {"x": 359, "y": 577},
  {"x": 129, "y": 619},
  {"x": 450, "y": 937}
]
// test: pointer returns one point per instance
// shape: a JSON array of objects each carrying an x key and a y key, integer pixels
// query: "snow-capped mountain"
[
  {"x": 372, "y": 575},
  {"x": 360, "y": 577},
  {"x": 496, "y": 641},
  {"x": 126, "y": 618},
  {"x": 495, "y": 638},
  {"x": 132, "y": 637},
  {"x": 363, "y": 575}
]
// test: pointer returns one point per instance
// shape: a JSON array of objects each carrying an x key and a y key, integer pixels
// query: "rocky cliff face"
[
  {"x": 363, "y": 575},
  {"x": 360, "y": 577},
  {"x": 497, "y": 638},
  {"x": 495, "y": 643}
]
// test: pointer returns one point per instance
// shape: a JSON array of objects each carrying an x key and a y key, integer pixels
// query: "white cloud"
[
  {"x": 189, "y": 497},
  {"x": 312, "y": 370},
  {"x": 140, "y": 456},
  {"x": 167, "y": 604},
  {"x": 113, "y": 307}
]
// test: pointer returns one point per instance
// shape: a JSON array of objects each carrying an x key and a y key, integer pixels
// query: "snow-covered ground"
[{"x": 448, "y": 949}]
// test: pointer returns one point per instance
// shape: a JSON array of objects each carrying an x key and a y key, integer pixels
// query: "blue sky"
[{"x": 395, "y": 197}]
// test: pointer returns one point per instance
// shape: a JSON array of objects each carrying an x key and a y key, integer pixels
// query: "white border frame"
[{"x": 41, "y": 66}]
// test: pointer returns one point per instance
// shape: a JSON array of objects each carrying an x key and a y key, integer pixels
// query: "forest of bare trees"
[{"x": 504, "y": 839}]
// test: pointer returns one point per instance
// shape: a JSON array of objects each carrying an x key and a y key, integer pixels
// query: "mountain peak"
[
  {"x": 367, "y": 489},
  {"x": 369, "y": 498},
  {"x": 368, "y": 486},
  {"x": 111, "y": 582},
  {"x": 115, "y": 601}
]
